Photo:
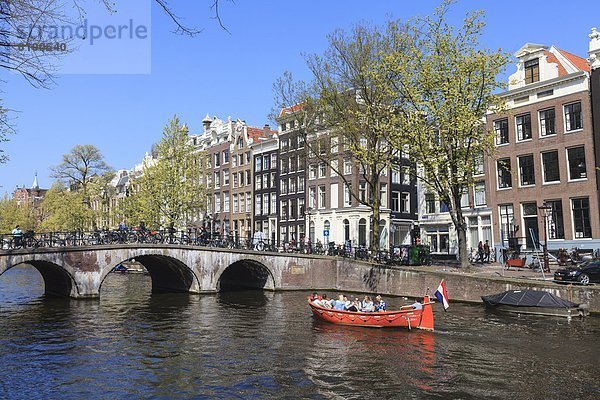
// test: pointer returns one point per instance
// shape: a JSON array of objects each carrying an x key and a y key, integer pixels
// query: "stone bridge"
[{"x": 78, "y": 272}]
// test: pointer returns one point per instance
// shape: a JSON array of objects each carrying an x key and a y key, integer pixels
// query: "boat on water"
[
  {"x": 405, "y": 317},
  {"x": 534, "y": 302}
]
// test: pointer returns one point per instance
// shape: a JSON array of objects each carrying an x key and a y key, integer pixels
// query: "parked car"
[{"x": 585, "y": 273}]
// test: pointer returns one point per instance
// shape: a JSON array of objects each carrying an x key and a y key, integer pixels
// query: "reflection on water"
[{"x": 132, "y": 344}]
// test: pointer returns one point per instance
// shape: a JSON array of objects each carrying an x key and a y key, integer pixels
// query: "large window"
[
  {"x": 526, "y": 170},
  {"x": 547, "y": 126},
  {"x": 480, "y": 194},
  {"x": 501, "y": 128},
  {"x": 321, "y": 196},
  {"x": 312, "y": 197},
  {"x": 395, "y": 201},
  {"x": 507, "y": 223},
  {"x": 383, "y": 195},
  {"x": 556, "y": 226},
  {"x": 577, "y": 168},
  {"x": 347, "y": 197},
  {"x": 523, "y": 126},
  {"x": 532, "y": 71},
  {"x": 430, "y": 203},
  {"x": 550, "y": 166},
  {"x": 504, "y": 175},
  {"x": 405, "y": 202},
  {"x": 573, "y": 119},
  {"x": 581, "y": 218},
  {"x": 258, "y": 164}
]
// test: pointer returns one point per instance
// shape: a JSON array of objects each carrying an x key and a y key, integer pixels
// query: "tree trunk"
[{"x": 461, "y": 232}]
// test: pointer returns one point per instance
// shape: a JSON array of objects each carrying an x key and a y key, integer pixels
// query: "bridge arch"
[
  {"x": 57, "y": 280},
  {"x": 168, "y": 273},
  {"x": 245, "y": 274}
]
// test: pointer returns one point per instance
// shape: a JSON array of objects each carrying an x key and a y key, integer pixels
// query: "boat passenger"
[
  {"x": 339, "y": 304},
  {"x": 367, "y": 305},
  {"x": 354, "y": 305},
  {"x": 380, "y": 306},
  {"x": 418, "y": 304},
  {"x": 325, "y": 302},
  {"x": 315, "y": 298}
]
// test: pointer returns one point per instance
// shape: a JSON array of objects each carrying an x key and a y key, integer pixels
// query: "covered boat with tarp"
[{"x": 534, "y": 302}]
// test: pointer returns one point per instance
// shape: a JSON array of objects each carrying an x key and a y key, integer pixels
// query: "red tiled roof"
[
  {"x": 257, "y": 133},
  {"x": 290, "y": 110},
  {"x": 551, "y": 58},
  {"x": 579, "y": 63}
]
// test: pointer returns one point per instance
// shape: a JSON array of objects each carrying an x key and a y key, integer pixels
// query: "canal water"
[{"x": 132, "y": 344}]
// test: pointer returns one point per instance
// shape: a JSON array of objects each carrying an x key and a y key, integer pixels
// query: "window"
[
  {"x": 225, "y": 156},
  {"x": 504, "y": 175},
  {"x": 404, "y": 202},
  {"x": 258, "y": 164},
  {"x": 217, "y": 179},
  {"x": 406, "y": 175},
  {"x": 217, "y": 157},
  {"x": 257, "y": 205},
  {"x": 547, "y": 126},
  {"x": 526, "y": 170},
  {"x": 293, "y": 185},
  {"x": 444, "y": 206},
  {"x": 217, "y": 203},
  {"x": 312, "y": 171},
  {"x": 292, "y": 164},
  {"x": 334, "y": 144},
  {"x": 234, "y": 161},
  {"x": 248, "y": 178},
  {"x": 240, "y": 143},
  {"x": 236, "y": 206},
  {"x": 301, "y": 184},
  {"x": 395, "y": 201},
  {"x": 429, "y": 203},
  {"x": 248, "y": 202},
  {"x": 577, "y": 169},
  {"x": 396, "y": 176},
  {"x": 347, "y": 166},
  {"x": 266, "y": 163},
  {"x": 362, "y": 191},
  {"x": 258, "y": 182},
  {"x": 507, "y": 221},
  {"x": 273, "y": 203},
  {"x": 225, "y": 177},
  {"x": 573, "y": 117},
  {"x": 322, "y": 170},
  {"x": 581, "y": 218},
  {"x": 550, "y": 166},
  {"x": 334, "y": 167},
  {"x": 226, "y": 202},
  {"x": 321, "y": 196},
  {"x": 464, "y": 198},
  {"x": 284, "y": 144},
  {"x": 347, "y": 197},
  {"x": 293, "y": 208},
  {"x": 478, "y": 164},
  {"x": 532, "y": 71},
  {"x": 265, "y": 181},
  {"x": 383, "y": 195},
  {"x": 274, "y": 160},
  {"x": 272, "y": 180},
  {"x": 265, "y": 204},
  {"x": 284, "y": 209},
  {"x": 242, "y": 202},
  {"x": 501, "y": 128},
  {"x": 556, "y": 227},
  {"x": 241, "y": 180},
  {"x": 312, "y": 197},
  {"x": 523, "y": 126},
  {"x": 480, "y": 194},
  {"x": 284, "y": 187}
]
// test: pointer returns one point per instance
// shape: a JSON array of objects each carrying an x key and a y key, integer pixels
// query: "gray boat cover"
[{"x": 527, "y": 298}]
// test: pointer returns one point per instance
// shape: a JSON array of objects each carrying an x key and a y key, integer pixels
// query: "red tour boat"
[{"x": 405, "y": 317}]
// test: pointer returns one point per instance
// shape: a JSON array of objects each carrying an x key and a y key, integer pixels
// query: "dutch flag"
[{"x": 442, "y": 295}]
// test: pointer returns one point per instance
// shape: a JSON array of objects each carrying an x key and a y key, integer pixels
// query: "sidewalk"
[{"x": 495, "y": 270}]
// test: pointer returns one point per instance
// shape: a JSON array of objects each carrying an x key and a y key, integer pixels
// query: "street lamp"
[
  {"x": 545, "y": 211},
  {"x": 308, "y": 212}
]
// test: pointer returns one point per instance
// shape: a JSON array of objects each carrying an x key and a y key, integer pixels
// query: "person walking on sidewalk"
[
  {"x": 480, "y": 252},
  {"x": 486, "y": 251}
]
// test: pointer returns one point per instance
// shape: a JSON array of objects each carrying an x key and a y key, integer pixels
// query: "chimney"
[{"x": 266, "y": 129}]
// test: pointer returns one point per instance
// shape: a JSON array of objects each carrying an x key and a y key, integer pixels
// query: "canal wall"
[{"x": 356, "y": 276}]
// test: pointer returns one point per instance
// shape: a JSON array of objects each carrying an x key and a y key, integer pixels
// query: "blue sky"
[{"x": 231, "y": 74}]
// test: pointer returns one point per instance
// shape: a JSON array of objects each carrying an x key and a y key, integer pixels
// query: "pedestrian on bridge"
[{"x": 17, "y": 236}]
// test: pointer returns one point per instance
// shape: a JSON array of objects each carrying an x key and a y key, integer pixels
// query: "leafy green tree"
[
  {"x": 169, "y": 192},
  {"x": 444, "y": 83},
  {"x": 65, "y": 210},
  {"x": 343, "y": 112},
  {"x": 12, "y": 215}
]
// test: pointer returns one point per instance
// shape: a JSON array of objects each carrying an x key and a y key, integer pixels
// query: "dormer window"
[{"x": 532, "y": 71}]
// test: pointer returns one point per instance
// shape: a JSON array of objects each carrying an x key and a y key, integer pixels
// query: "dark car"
[{"x": 587, "y": 272}]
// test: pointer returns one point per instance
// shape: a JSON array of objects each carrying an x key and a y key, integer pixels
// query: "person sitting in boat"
[
  {"x": 418, "y": 304},
  {"x": 353, "y": 305},
  {"x": 339, "y": 304},
  {"x": 325, "y": 302},
  {"x": 380, "y": 305},
  {"x": 314, "y": 297},
  {"x": 367, "y": 305}
]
